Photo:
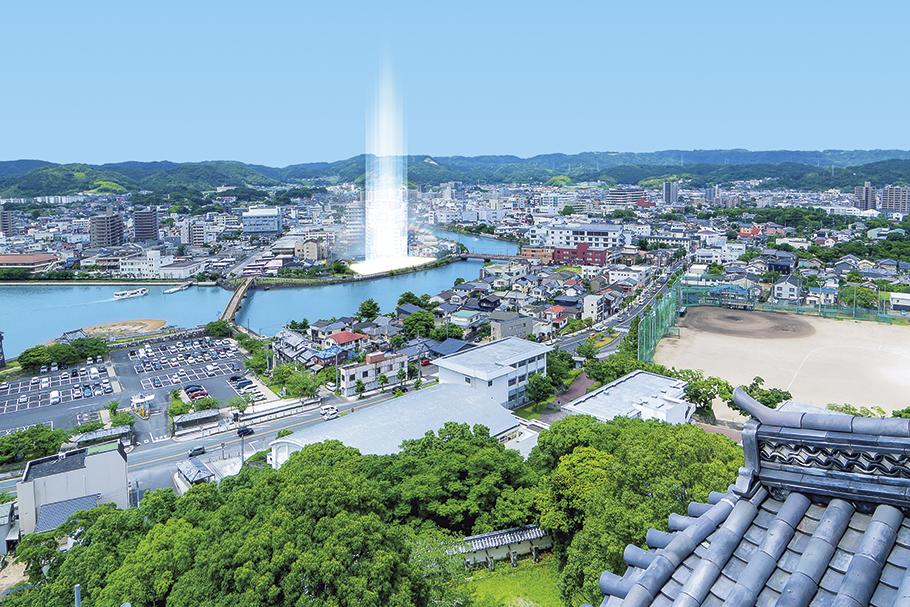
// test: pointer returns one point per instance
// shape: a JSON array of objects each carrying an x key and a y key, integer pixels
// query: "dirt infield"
[
  {"x": 819, "y": 360},
  {"x": 760, "y": 325}
]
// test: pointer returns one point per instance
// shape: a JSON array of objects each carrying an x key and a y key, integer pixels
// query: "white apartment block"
[
  {"x": 498, "y": 370},
  {"x": 618, "y": 272},
  {"x": 147, "y": 265},
  {"x": 261, "y": 220},
  {"x": 369, "y": 372},
  {"x": 596, "y": 235}
]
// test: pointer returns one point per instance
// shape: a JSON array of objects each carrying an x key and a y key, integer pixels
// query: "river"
[
  {"x": 32, "y": 314},
  {"x": 265, "y": 312}
]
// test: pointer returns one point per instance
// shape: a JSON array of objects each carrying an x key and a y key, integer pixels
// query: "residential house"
[{"x": 788, "y": 289}]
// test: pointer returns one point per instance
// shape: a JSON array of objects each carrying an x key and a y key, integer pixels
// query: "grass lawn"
[
  {"x": 528, "y": 585},
  {"x": 533, "y": 410}
]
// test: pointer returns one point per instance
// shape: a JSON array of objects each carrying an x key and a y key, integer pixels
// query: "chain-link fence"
[
  {"x": 657, "y": 323},
  {"x": 661, "y": 319},
  {"x": 730, "y": 296}
]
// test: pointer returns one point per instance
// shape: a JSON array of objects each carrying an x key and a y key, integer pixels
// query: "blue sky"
[{"x": 284, "y": 82}]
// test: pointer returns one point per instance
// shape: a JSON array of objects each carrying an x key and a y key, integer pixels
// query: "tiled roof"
[
  {"x": 345, "y": 337},
  {"x": 816, "y": 518},
  {"x": 54, "y": 514},
  {"x": 504, "y": 537}
]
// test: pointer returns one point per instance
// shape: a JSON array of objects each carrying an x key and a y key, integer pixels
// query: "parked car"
[
  {"x": 4, "y": 385},
  {"x": 22, "y": 399}
]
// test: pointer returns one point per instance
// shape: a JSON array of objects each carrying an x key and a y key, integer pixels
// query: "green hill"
[{"x": 799, "y": 170}]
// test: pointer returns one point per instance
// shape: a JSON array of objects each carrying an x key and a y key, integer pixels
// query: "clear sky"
[{"x": 278, "y": 83}]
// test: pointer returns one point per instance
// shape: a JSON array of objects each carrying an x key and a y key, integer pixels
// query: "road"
[
  {"x": 152, "y": 465},
  {"x": 622, "y": 320}
]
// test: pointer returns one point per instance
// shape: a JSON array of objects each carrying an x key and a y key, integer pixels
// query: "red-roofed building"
[
  {"x": 346, "y": 339},
  {"x": 35, "y": 263},
  {"x": 750, "y": 231}
]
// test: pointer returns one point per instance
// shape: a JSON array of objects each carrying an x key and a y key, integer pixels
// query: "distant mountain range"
[{"x": 810, "y": 170}]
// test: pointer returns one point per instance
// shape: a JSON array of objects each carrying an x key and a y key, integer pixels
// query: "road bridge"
[{"x": 234, "y": 304}]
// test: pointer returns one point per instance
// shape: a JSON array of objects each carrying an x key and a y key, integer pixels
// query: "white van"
[
  {"x": 93, "y": 373},
  {"x": 55, "y": 397},
  {"x": 210, "y": 370},
  {"x": 45, "y": 383}
]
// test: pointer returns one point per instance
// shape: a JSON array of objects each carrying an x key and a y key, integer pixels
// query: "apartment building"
[
  {"x": 369, "y": 372},
  {"x": 106, "y": 230},
  {"x": 596, "y": 235},
  {"x": 7, "y": 228},
  {"x": 582, "y": 254},
  {"x": 145, "y": 224},
  {"x": 498, "y": 370},
  {"x": 263, "y": 220},
  {"x": 896, "y": 199},
  {"x": 510, "y": 324}
]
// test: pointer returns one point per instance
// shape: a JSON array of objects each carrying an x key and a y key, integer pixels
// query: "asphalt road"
[
  {"x": 152, "y": 465},
  {"x": 622, "y": 320}
]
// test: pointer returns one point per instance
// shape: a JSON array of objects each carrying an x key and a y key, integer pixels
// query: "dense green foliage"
[
  {"x": 606, "y": 484},
  {"x": 219, "y": 328},
  {"x": 333, "y": 527},
  {"x": 70, "y": 353},
  {"x": 31, "y": 443}
]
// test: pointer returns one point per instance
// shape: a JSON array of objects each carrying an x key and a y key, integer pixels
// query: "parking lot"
[
  {"x": 28, "y": 394},
  {"x": 190, "y": 374},
  {"x": 53, "y": 380}
]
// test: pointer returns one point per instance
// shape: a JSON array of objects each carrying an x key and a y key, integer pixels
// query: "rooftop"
[
  {"x": 54, "y": 514},
  {"x": 620, "y": 397},
  {"x": 381, "y": 429},
  {"x": 493, "y": 359},
  {"x": 816, "y": 517},
  {"x": 54, "y": 464}
]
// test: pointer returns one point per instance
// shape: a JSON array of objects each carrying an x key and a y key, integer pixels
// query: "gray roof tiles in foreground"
[
  {"x": 380, "y": 429},
  {"x": 828, "y": 542}
]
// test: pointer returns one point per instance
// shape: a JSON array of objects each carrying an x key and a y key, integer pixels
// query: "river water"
[{"x": 32, "y": 314}]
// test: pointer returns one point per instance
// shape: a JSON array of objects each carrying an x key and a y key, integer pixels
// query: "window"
[
  {"x": 512, "y": 381},
  {"x": 490, "y": 384},
  {"x": 467, "y": 380},
  {"x": 365, "y": 374}
]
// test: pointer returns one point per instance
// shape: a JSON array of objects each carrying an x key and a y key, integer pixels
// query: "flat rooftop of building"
[
  {"x": 54, "y": 464},
  {"x": 380, "y": 429},
  {"x": 493, "y": 359},
  {"x": 618, "y": 398},
  {"x": 261, "y": 212},
  {"x": 182, "y": 264}
]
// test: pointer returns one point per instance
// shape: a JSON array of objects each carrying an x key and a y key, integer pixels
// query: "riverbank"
[
  {"x": 465, "y": 232},
  {"x": 93, "y": 283},
  {"x": 280, "y": 282}
]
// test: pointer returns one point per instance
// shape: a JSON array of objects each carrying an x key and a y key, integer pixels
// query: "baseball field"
[{"x": 819, "y": 360}]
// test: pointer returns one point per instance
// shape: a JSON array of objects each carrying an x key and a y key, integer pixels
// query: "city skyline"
[{"x": 291, "y": 85}]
